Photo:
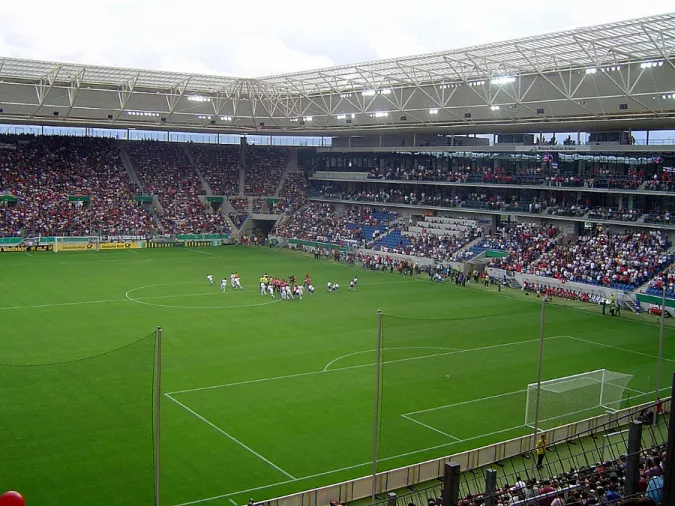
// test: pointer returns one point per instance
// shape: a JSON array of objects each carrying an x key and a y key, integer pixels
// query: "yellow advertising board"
[
  {"x": 119, "y": 245},
  {"x": 76, "y": 247}
]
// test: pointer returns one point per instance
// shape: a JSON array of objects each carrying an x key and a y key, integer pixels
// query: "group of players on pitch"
[{"x": 287, "y": 290}]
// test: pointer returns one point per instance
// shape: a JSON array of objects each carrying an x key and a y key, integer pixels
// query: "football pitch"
[{"x": 263, "y": 397}]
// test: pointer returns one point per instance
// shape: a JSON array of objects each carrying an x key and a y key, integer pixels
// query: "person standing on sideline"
[{"x": 541, "y": 450}]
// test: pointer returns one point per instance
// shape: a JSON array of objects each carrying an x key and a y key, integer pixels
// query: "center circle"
[{"x": 214, "y": 292}]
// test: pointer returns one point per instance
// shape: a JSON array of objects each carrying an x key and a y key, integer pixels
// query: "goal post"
[
  {"x": 562, "y": 400},
  {"x": 82, "y": 243}
]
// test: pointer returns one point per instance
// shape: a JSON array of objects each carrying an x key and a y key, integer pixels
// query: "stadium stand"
[
  {"x": 522, "y": 242},
  {"x": 220, "y": 167},
  {"x": 42, "y": 172},
  {"x": 320, "y": 222},
  {"x": 265, "y": 165},
  {"x": 621, "y": 261},
  {"x": 665, "y": 278},
  {"x": 164, "y": 170},
  {"x": 437, "y": 238},
  {"x": 294, "y": 189}
]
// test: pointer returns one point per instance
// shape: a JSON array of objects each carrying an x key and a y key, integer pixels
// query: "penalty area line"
[
  {"x": 431, "y": 428},
  {"x": 360, "y": 366},
  {"x": 348, "y": 468},
  {"x": 230, "y": 437}
]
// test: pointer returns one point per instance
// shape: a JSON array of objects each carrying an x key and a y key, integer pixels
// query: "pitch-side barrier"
[{"x": 408, "y": 476}]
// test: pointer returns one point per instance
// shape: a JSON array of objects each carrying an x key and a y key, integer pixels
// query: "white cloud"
[
  {"x": 248, "y": 39},
  {"x": 391, "y": 44}
]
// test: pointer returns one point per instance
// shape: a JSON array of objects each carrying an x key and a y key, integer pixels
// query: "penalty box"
[{"x": 326, "y": 415}]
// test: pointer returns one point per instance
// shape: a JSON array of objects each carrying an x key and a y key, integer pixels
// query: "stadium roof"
[{"x": 467, "y": 89}]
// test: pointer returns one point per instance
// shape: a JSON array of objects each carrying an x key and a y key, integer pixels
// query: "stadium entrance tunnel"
[{"x": 264, "y": 226}]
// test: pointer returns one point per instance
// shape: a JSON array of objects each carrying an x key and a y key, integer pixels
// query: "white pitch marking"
[
  {"x": 262, "y": 487},
  {"x": 383, "y": 349},
  {"x": 26, "y": 253},
  {"x": 617, "y": 348},
  {"x": 465, "y": 402},
  {"x": 232, "y": 438},
  {"x": 106, "y": 301},
  {"x": 62, "y": 304},
  {"x": 141, "y": 299},
  {"x": 430, "y": 427},
  {"x": 310, "y": 373},
  {"x": 234, "y": 502},
  {"x": 203, "y": 252},
  {"x": 125, "y": 262}
]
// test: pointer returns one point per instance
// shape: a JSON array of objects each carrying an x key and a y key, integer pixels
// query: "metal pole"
[
  {"x": 158, "y": 393},
  {"x": 376, "y": 426},
  {"x": 541, "y": 360},
  {"x": 658, "y": 361}
]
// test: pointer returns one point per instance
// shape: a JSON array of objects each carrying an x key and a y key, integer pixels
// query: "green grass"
[{"x": 292, "y": 403}]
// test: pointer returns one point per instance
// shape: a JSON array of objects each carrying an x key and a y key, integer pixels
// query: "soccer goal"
[
  {"x": 562, "y": 400},
  {"x": 84, "y": 243}
]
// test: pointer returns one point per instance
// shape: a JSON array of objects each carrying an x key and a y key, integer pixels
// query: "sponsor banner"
[
  {"x": 76, "y": 247},
  {"x": 198, "y": 244},
  {"x": 24, "y": 249},
  {"x": 163, "y": 244},
  {"x": 119, "y": 245}
]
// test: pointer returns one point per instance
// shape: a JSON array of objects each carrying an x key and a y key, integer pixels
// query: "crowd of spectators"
[
  {"x": 613, "y": 213},
  {"x": 264, "y": 167},
  {"x": 665, "y": 182},
  {"x": 563, "y": 293},
  {"x": 165, "y": 170},
  {"x": 295, "y": 190},
  {"x": 575, "y": 211},
  {"x": 238, "y": 219},
  {"x": 665, "y": 278},
  {"x": 431, "y": 197},
  {"x": 664, "y": 217},
  {"x": 42, "y": 172},
  {"x": 486, "y": 175},
  {"x": 240, "y": 205},
  {"x": 321, "y": 222},
  {"x": 623, "y": 261},
  {"x": 258, "y": 205},
  {"x": 219, "y": 165},
  {"x": 614, "y": 182},
  {"x": 523, "y": 244},
  {"x": 434, "y": 246}
]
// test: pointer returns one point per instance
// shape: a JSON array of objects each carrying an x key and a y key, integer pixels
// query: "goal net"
[
  {"x": 570, "y": 398},
  {"x": 84, "y": 243},
  {"x": 81, "y": 430}
]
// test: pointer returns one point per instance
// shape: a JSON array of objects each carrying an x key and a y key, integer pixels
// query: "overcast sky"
[{"x": 258, "y": 37}]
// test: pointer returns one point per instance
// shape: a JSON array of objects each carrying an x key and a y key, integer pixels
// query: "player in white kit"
[
  {"x": 223, "y": 284},
  {"x": 232, "y": 279},
  {"x": 310, "y": 288},
  {"x": 209, "y": 278},
  {"x": 270, "y": 290},
  {"x": 298, "y": 291},
  {"x": 330, "y": 286},
  {"x": 237, "y": 283}
]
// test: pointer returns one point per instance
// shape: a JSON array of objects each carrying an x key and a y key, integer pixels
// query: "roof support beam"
[
  {"x": 124, "y": 94},
  {"x": 175, "y": 94},
  {"x": 44, "y": 86}
]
